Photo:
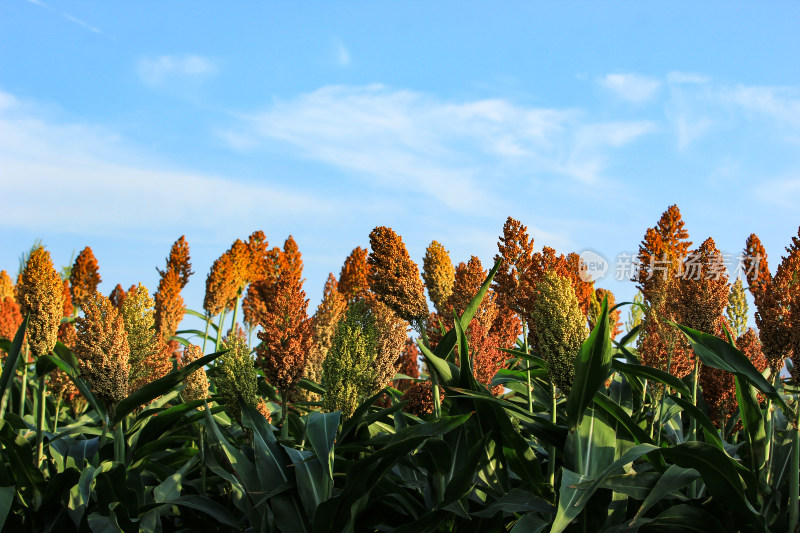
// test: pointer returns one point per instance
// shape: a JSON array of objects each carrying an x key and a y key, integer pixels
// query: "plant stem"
[
  {"x": 551, "y": 464},
  {"x": 219, "y": 331},
  {"x": 24, "y": 384},
  {"x": 58, "y": 410},
  {"x": 205, "y": 335},
  {"x": 40, "y": 422},
  {"x": 794, "y": 481},
  {"x": 202, "y": 460},
  {"x": 284, "y": 417},
  {"x": 528, "y": 372},
  {"x": 235, "y": 311},
  {"x": 692, "y": 422},
  {"x": 437, "y": 402},
  {"x": 119, "y": 444}
]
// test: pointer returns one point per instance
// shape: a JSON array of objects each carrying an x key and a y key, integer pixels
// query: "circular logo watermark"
[{"x": 594, "y": 267}]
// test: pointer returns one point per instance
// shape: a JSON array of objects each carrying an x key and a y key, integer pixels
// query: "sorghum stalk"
[
  {"x": 794, "y": 481},
  {"x": 40, "y": 411},
  {"x": 119, "y": 444},
  {"x": 551, "y": 465},
  {"x": 23, "y": 393},
  {"x": 527, "y": 372},
  {"x": 692, "y": 421},
  {"x": 205, "y": 335},
  {"x": 437, "y": 402}
]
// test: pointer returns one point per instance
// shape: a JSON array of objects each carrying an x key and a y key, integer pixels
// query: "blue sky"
[{"x": 126, "y": 125}]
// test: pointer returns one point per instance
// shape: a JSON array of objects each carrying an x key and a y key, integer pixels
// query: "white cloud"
[
  {"x": 445, "y": 150},
  {"x": 780, "y": 103},
  {"x": 342, "y": 53},
  {"x": 80, "y": 22},
  {"x": 634, "y": 88},
  {"x": 677, "y": 77},
  {"x": 783, "y": 192},
  {"x": 158, "y": 70},
  {"x": 85, "y": 179}
]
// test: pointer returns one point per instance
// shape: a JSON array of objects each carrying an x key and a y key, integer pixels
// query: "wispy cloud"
[
  {"x": 441, "y": 149},
  {"x": 783, "y": 192},
  {"x": 68, "y": 16},
  {"x": 155, "y": 71},
  {"x": 342, "y": 53},
  {"x": 779, "y": 103},
  {"x": 86, "y": 179},
  {"x": 634, "y": 88}
]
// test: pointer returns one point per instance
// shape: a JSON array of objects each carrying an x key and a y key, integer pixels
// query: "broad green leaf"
[
  {"x": 159, "y": 387},
  {"x": 591, "y": 369},
  {"x": 671, "y": 480},
  {"x": 516, "y": 501},
  {"x": 717, "y": 353},
  {"x": 616, "y": 410},
  {"x": 709, "y": 430},
  {"x": 7, "y": 495},
  {"x": 208, "y": 506},
  {"x": 321, "y": 431},
  {"x": 652, "y": 374},
  {"x": 753, "y": 422},
  {"x": 568, "y": 496},
  {"x": 685, "y": 517},
  {"x": 446, "y": 372},
  {"x": 170, "y": 488}
]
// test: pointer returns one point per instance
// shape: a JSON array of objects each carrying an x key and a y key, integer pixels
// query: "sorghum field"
[{"x": 524, "y": 400}]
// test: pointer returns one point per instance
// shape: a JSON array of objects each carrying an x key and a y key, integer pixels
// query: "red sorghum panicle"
[
  {"x": 408, "y": 364},
  {"x": 6, "y": 286},
  {"x": 287, "y": 333},
  {"x": 84, "y": 277},
  {"x": 116, "y": 296},
  {"x": 516, "y": 250}
]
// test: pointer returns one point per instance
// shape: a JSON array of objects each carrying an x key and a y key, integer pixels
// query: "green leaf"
[
  {"x": 709, "y": 430},
  {"x": 568, "y": 496},
  {"x": 7, "y": 495},
  {"x": 753, "y": 422},
  {"x": 208, "y": 506},
  {"x": 652, "y": 374},
  {"x": 671, "y": 480},
  {"x": 10, "y": 364},
  {"x": 159, "y": 387},
  {"x": 591, "y": 369},
  {"x": 717, "y": 353},
  {"x": 321, "y": 431},
  {"x": 446, "y": 372},
  {"x": 170, "y": 488},
  {"x": 616, "y": 410},
  {"x": 686, "y": 518}
]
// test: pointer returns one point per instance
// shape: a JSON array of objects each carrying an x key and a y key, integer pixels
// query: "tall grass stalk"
[
  {"x": 551, "y": 464},
  {"x": 23, "y": 393},
  {"x": 40, "y": 413},
  {"x": 692, "y": 422},
  {"x": 794, "y": 481}
]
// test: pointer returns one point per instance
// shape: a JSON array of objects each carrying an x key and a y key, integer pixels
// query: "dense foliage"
[{"x": 532, "y": 411}]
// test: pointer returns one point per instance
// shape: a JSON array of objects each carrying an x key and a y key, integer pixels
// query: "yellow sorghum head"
[
  {"x": 348, "y": 372},
  {"x": 558, "y": 327},
  {"x": 84, "y": 277},
  {"x": 149, "y": 355},
  {"x": 221, "y": 284},
  {"x": 235, "y": 375},
  {"x": 328, "y": 314},
  {"x": 197, "y": 382},
  {"x": 41, "y": 296},
  {"x": 66, "y": 331},
  {"x": 439, "y": 275},
  {"x": 391, "y": 333},
  {"x": 737, "y": 308},
  {"x": 6, "y": 286},
  {"x": 394, "y": 277},
  {"x": 102, "y": 349}
]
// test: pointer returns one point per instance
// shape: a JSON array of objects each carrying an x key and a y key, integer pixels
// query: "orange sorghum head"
[
  {"x": 6, "y": 286},
  {"x": 169, "y": 308},
  {"x": 10, "y": 320},
  {"x": 515, "y": 248},
  {"x": 66, "y": 331},
  {"x": 391, "y": 333},
  {"x": 354, "y": 277},
  {"x": 420, "y": 398},
  {"x": 178, "y": 261},
  {"x": 394, "y": 277},
  {"x": 41, "y": 296},
  {"x": 84, "y": 277},
  {"x": 149, "y": 353},
  {"x": 703, "y": 289}
]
